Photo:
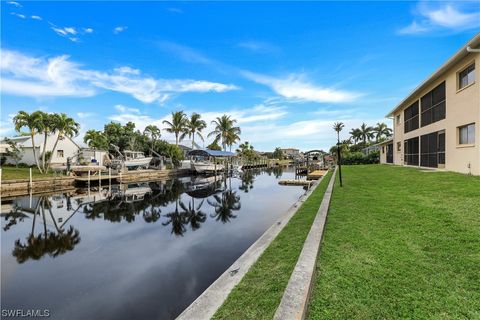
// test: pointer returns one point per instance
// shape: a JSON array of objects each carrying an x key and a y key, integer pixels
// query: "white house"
[{"x": 66, "y": 147}]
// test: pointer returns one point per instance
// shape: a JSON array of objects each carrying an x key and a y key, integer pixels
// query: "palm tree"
[
  {"x": 381, "y": 130},
  {"x": 365, "y": 132},
  {"x": 177, "y": 126},
  {"x": 95, "y": 139},
  {"x": 32, "y": 122},
  {"x": 225, "y": 131},
  {"x": 355, "y": 135},
  {"x": 194, "y": 127},
  {"x": 338, "y": 126},
  {"x": 153, "y": 132},
  {"x": 47, "y": 125},
  {"x": 66, "y": 127}
]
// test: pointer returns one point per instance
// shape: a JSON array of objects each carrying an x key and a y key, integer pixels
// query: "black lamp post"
[{"x": 339, "y": 162}]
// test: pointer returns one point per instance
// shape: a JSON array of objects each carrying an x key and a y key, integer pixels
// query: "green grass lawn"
[
  {"x": 400, "y": 244},
  {"x": 259, "y": 293},
  {"x": 12, "y": 173}
]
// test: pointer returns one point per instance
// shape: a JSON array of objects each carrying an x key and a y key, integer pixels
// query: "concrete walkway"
[
  {"x": 296, "y": 296},
  {"x": 205, "y": 306}
]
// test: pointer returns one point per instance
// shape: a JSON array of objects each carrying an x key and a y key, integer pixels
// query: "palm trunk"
[
  {"x": 44, "y": 150},
  {"x": 176, "y": 139},
  {"x": 53, "y": 151},
  {"x": 35, "y": 152},
  {"x": 193, "y": 140}
]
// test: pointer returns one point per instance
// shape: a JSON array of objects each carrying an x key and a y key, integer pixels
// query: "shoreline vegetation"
[{"x": 258, "y": 294}]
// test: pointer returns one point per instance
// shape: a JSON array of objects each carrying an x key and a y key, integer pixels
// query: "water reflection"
[{"x": 103, "y": 244}]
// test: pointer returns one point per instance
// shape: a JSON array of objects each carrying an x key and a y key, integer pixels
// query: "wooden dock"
[
  {"x": 317, "y": 174},
  {"x": 295, "y": 183}
]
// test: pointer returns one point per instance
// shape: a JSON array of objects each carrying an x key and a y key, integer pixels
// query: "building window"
[
  {"x": 433, "y": 105},
  {"x": 466, "y": 134},
  {"x": 466, "y": 77},
  {"x": 432, "y": 149},
  {"x": 398, "y": 119},
  {"x": 399, "y": 146},
  {"x": 411, "y": 151},
  {"x": 410, "y": 116},
  {"x": 383, "y": 149},
  {"x": 59, "y": 153}
]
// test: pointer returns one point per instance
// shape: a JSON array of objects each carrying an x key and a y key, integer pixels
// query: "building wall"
[{"x": 462, "y": 108}]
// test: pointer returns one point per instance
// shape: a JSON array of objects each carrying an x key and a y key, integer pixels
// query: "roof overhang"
[
  {"x": 210, "y": 153},
  {"x": 462, "y": 53}
]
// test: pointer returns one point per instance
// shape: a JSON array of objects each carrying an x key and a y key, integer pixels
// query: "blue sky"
[{"x": 285, "y": 71}]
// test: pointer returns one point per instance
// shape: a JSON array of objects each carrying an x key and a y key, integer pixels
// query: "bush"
[{"x": 361, "y": 158}]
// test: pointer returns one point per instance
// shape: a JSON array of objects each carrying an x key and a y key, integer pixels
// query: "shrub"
[{"x": 361, "y": 158}]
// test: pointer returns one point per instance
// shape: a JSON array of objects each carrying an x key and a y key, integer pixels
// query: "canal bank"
[{"x": 253, "y": 286}]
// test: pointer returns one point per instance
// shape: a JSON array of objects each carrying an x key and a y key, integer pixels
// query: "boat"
[
  {"x": 206, "y": 166},
  {"x": 134, "y": 192},
  {"x": 136, "y": 159}
]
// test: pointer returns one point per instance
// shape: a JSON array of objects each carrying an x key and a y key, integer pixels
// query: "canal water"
[{"x": 138, "y": 251}]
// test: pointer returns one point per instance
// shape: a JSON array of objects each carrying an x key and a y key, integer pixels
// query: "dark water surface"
[{"x": 140, "y": 251}]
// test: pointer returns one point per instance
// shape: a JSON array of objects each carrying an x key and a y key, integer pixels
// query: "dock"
[
  {"x": 317, "y": 174},
  {"x": 295, "y": 183}
]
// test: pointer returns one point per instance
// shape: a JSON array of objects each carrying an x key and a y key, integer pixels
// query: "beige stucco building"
[{"x": 438, "y": 124}]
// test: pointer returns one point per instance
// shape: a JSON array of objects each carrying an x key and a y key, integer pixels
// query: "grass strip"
[
  {"x": 259, "y": 293},
  {"x": 400, "y": 243}
]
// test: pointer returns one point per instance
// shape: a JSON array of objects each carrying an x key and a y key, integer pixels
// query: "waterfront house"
[
  {"x": 291, "y": 153},
  {"x": 438, "y": 124},
  {"x": 66, "y": 147}
]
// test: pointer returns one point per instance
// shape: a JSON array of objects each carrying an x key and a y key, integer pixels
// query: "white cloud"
[
  {"x": 450, "y": 16},
  {"x": 123, "y": 109},
  {"x": 119, "y": 29},
  {"x": 36, "y": 18},
  {"x": 83, "y": 115},
  {"x": 175, "y": 10},
  {"x": 14, "y": 3},
  {"x": 258, "y": 46},
  {"x": 21, "y": 16},
  {"x": 58, "y": 76},
  {"x": 295, "y": 87},
  {"x": 88, "y": 30}
]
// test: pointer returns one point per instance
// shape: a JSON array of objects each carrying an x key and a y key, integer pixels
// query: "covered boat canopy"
[{"x": 210, "y": 153}]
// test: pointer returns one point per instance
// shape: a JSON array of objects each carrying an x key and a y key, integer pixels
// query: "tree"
[
  {"x": 153, "y": 132},
  {"x": 32, "y": 122},
  {"x": 381, "y": 130},
  {"x": 214, "y": 146},
  {"x": 277, "y": 154},
  {"x": 245, "y": 150},
  {"x": 366, "y": 133},
  {"x": 178, "y": 125},
  {"x": 338, "y": 126},
  {"x": 14, "y": 151},
  {"x": 225, "y": 131},
  {"x": 95, "y": 139},
  {"x": 66, "y": 127},
  {"x": 47, "y": 125},
  {"x": 194, "y": 126},
  {"x": 355, "y": 134}
]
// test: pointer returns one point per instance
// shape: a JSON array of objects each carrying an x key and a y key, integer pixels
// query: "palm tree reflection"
[
  {"x": 224, "y": 205},
  {"x": 193, "y": 215}
]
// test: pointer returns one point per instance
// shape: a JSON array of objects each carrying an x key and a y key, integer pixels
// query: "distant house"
[
  {"x": 66, "y": 147},
  {"x": 291, "y": 153},
  {"x": 386, "y": 151}
]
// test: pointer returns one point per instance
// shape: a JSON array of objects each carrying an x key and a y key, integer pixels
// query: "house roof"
[
  {"x": 211, "y": 153},
  {"x": 462, "y": 53},
  {"x": 26, "y": 141}
]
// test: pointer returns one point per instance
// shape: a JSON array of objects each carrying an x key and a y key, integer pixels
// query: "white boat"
[
  {"x": 206, "y": 166},
  {"x": 134, "y": 192},
  {"x": 136, "y": 159}
]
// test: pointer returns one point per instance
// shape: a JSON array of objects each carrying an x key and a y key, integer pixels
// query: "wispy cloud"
[
  {"x": 175, "y": 10},
  {"x": 450, "y": 16},
  {"x": 258, "y": 46},
  {"x": 21, "y": 16},
  {"x": 296, "y": 87},
  {"x": 183, "y": 52},
  {"x": 119, "y": 29},
  {"x": 14, "y": 3},
  {"x": 34, "y": 17},
  {"x": 71, "y": 33},
  {"x": 84, "y": 115},
  {"x": 58, "y": 76}
]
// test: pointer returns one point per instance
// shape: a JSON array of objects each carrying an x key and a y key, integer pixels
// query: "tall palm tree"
[
  {"x": 381, "y": 130},
  {"x": 366, "y": 132},
  {"x": 32, "y": 122},
  {"x": 194, "y": 127},
  {"x": 225, "y": 131},
  {"x": 153, "y": 132},
  {"x": 177, "y": 126},
  {"x": 66, "y": 127},
  {"x": 338, "y": 126},
  {"x": 47, "y": 125},
  {"x": 355, "y": 135}
]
